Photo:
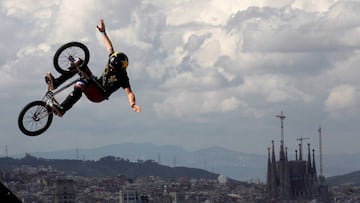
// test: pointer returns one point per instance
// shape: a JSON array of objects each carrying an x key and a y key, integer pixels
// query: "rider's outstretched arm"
[
  {"x": 108, "y": 44},
  {"x": 132, "y": 100}
]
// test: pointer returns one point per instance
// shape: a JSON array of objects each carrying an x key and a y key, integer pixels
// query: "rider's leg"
[
  {"x": 53, "y": 82},
  {"x": 84, "y": 69},
  {"x": 71, "y": 99}
]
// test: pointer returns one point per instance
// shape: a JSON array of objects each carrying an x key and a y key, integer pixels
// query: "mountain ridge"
[
  {"x": 215, "y": 159},
  {"x": 108, "y": 166},
  {"x": 352, "y": 178},
  {"x": 233, "y": 164}
]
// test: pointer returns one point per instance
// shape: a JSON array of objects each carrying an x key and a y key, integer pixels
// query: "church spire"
[
  {"x": 273, "y": 173},
  {"x": 313, "y": 165},
  {"x": 269, "y": 170}
]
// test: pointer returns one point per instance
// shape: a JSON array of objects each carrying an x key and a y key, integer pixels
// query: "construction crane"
[
  {"x": 282, "y": 117},
  {"x": 321, "y": 177},
  {"x": 300, "y": 146}
]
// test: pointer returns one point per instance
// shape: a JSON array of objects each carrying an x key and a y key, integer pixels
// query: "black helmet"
[{"x": 118, "y": 60}]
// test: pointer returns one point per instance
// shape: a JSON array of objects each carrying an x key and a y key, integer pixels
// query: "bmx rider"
[{"x": 113, "y": 77}]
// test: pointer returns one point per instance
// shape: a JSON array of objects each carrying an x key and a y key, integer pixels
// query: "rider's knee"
[{"x": 80, "y": 85}]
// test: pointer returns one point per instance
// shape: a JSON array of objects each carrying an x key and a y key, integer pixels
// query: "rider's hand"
[
  {"x": 101, "y": 26},
  {"x": 136, "y": 108}
]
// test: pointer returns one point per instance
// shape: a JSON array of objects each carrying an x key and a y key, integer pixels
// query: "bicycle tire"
[
  {"x": 74, "y": 49},
  {"x": 35, "y": 118}
]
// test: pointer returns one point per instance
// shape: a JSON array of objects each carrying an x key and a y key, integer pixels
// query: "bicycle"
[{"x": 36, "y": 117}]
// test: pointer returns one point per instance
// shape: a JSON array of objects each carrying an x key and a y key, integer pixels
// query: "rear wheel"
[
  {"x": 35, "y": 118},
  {"x": 68, "y": 52}
]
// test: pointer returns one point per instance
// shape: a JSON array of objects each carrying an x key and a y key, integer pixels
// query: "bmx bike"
[{"x": 36, "y": 117}]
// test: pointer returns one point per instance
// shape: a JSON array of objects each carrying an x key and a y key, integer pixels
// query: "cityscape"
[
  {"x": 46, "y": 184},
  {"x": 293, "y": 181}
]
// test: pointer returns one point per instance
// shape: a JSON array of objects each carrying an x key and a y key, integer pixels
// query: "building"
[
  {"x": 294, "y": 180},
  {"x": 64, "y": 191},
  {"x": 178, "y": 197},
  {"x": 291, "y": 180},
  {"x": 131, "y": 196}
]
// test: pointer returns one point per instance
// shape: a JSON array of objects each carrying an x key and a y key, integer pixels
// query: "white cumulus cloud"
[{"x": 342, "y": 100}]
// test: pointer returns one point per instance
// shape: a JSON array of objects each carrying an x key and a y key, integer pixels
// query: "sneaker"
[
  {"x": 57, "y": 109},
  {"x": 77, "y": 63},
  {"x": 50, "y": 80}
]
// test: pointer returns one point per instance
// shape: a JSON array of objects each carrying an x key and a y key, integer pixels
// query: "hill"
[
  {"x": 233, "y": 164},
  {"x": 108, "y": 166},
  {"x": 350, "y": 178}
]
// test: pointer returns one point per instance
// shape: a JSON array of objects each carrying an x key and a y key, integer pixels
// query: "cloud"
[
  {"x": 188, "y": 105},
  {"x": 197, "y": 61},
  {"x": 342, "y": 100},
  {"x": 313, "y": 5},
  {"x": 273, "y": 89},
  {"x": 34, "y": 50},
  {"x": 265, "y": 49},
  {"x": 23, "y": 9}
]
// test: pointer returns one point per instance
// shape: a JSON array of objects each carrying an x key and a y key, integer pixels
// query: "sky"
[{"x": 205, "y": 72}]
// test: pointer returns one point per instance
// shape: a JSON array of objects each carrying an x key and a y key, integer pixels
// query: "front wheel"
[
  {"x": 35, "y": 118},
  {"x": 68, "y": 52}
]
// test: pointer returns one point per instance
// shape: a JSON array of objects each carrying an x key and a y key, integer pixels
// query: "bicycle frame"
[{"x": 49, "y": 97}]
